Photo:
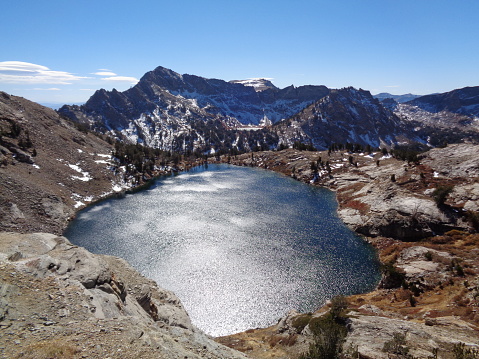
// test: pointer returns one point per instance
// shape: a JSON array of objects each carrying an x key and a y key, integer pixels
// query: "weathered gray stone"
[
  {"x": 369, "y": 333},
  {"x": 84, "y": 291},
  {"x": 22, "y": 156},
  {"x": 424, "y": 266}
]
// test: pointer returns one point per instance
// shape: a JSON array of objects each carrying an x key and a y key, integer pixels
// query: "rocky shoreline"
[
  {"x": 58, "y": 300},
  {"x": 431, "y": 247}
]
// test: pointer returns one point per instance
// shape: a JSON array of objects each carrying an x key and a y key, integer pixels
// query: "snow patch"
[
  {"x": 78, "y": 204},
  {"x": 85, "y": 175}
]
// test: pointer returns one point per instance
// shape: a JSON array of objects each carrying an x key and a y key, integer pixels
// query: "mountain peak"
[{"x": 259, "y": 84}]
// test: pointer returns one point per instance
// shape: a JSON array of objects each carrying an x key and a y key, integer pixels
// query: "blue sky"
[{"x": 61, "y": 51}]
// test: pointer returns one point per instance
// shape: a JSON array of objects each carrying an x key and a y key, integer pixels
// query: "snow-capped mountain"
[
  {"x": 463, "y": 101},
  {"x": 345, "y": 115},
  {"x": 170, "y": 111},
  {"x": 188, "y": 113}
]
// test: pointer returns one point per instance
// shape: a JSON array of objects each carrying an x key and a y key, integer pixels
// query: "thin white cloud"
[
  {"x": 24, "y": 72},
  {"x": 131, "y": 80},
  {"x": 104, "y": 73},
  {"x": 49, "y": 89}
]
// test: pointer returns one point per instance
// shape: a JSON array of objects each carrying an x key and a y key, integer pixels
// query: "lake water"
[{"x": 239, "y": 246}]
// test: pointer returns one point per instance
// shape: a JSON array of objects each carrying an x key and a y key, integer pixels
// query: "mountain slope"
[
  {"x": 47, "y": 167},
  {"x": 463, "y": 101},
  {"x": 345, "y": 115},
  {"x": 192, "y": 114},
  {"x": 447, "y": 117}
]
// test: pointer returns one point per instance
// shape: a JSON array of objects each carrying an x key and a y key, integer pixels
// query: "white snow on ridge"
[
  {"x": 85, "y": 175},
  {"x": 259, "y": 84}
]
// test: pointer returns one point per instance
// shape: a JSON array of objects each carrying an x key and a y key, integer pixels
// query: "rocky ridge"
[
  {"x": 434, "y": 116},
  {"x": 398, "y": 98},
  {"x": 48, "y": 167},
  {"x": 345, "y": 115},
  {"x": 190, "y": 113}
]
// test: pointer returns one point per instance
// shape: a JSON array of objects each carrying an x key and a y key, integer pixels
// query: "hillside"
[
  {"x": 188, "y": 113},
  {"x": 435, "y": 115},
  {"x": 48, "y": 167},
  {"x": 398, "y": 98}
]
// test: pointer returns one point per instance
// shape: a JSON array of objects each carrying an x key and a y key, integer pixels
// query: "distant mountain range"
[
  {"x": 189, "y": 113},
  {"x": 398, "y": 98}
]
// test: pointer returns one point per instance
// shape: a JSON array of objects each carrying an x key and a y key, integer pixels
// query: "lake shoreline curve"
[
  {"x": 391, "y": 203},
  {"x": 69, "y": 293}
]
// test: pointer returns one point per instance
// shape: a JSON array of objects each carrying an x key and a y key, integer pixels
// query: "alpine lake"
[{"x": 239, "y": 246}]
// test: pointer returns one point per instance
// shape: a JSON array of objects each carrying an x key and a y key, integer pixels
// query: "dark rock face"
[
  {"x": 345, "y": 115},
  {"x": 463, "y": 101},
  {"x": 201, "y": 97},
  {"x": 444, "y": 118}
]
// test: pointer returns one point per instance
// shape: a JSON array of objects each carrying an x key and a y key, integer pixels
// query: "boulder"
[{"x": 424, "y": 266}]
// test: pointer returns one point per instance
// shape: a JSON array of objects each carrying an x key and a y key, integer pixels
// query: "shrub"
[
  {"x": 440, "y": 194},
  {"x": 329, "y": 332},
  {"x": 301, "y": 321},
  {"x": 15, "y": 129},
  {"x": 412, "y": 300},
  {"x": 460, "y": 351},
  {"x": 328, "y": 338},
  {"x": 397, "y": 345},
  {"x": 428, "y": 256},
  {"x": 392, "y": 278},
  {"x": 338, "y": 305},
  {"x": 473, "y": 219}
]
